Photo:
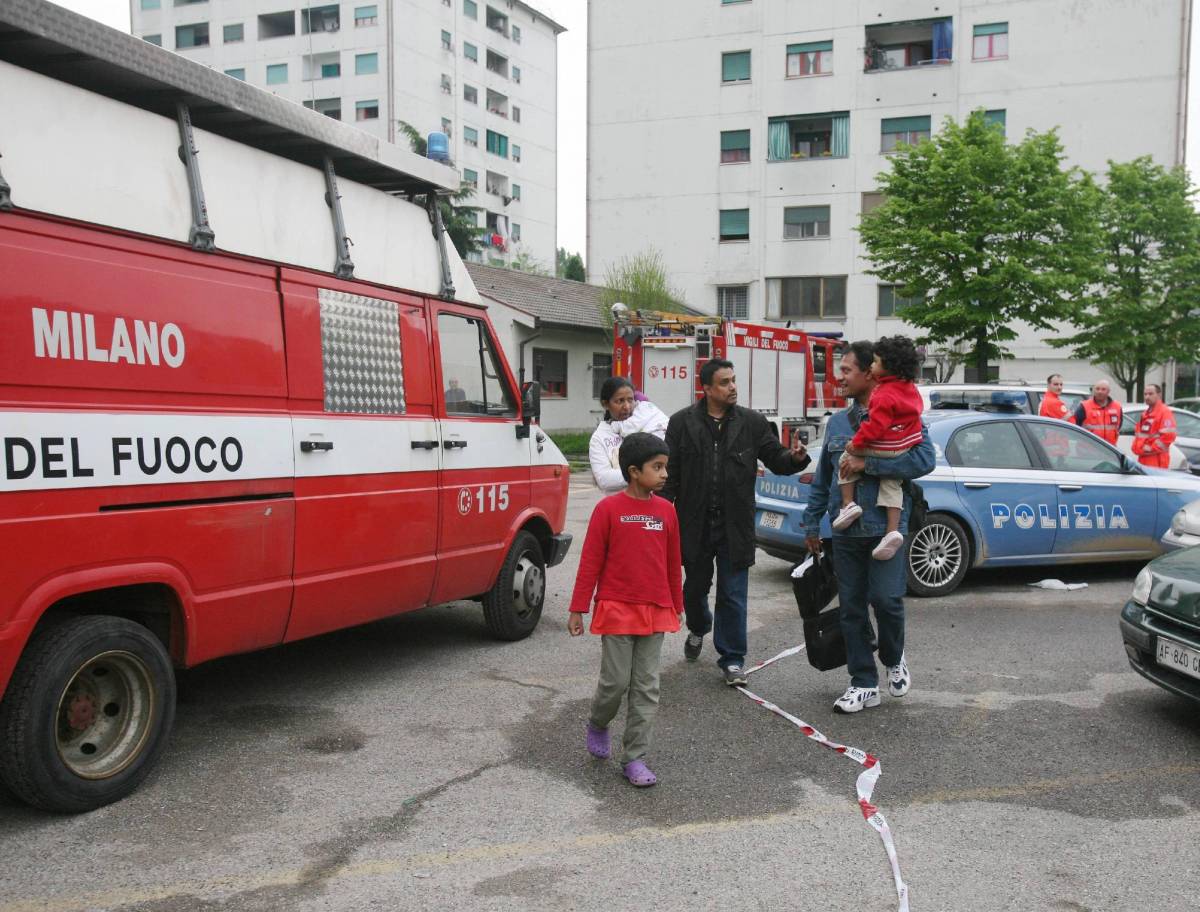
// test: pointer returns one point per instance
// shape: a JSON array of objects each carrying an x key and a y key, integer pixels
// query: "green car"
[{"x": 1161, "y": 623}]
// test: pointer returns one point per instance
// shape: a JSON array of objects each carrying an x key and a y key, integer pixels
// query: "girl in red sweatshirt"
[
  {"x": 631, "y": 562},
  {"x": 892, "y": 427}
]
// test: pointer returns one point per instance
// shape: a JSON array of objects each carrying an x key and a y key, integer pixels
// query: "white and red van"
[{"x": 212, "y": 445}]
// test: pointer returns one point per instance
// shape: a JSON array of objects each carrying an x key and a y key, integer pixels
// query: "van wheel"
[
  {"x": 938, "y": 555},
  {"x": 86, "y": 715},
  {"x": 513, "y": 607}
]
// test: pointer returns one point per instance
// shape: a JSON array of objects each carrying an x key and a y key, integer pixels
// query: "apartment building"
[
  {"x": 742, "y": 138},
  {"x": 484, "y": 73}
]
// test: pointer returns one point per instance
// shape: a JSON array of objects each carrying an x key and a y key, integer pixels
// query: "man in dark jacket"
[{"x": 715, "y": 448}]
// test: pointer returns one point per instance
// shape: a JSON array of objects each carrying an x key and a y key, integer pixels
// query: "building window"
[
  {"x": 516, "y": 191},
  {"x": 991, "y": 42},
  {"x": 447, "y": 41},
  {"x": 366, "y": 110},
  {"x": 891, "y": 302},
  {"x": 516, "y": 34},
  {"x": 156, "y": 40},
  {"x": 470, "y": 51},
  {"x": 471, "y": 178},
  {"x": 733, "y": 302},
  {"x": 997, "y": 118},
  {"x": 470, "y": 94},
  {"x": 330, "y": 70},
  {"x": 497, "y": 143},
  {"x": 472, "y": 370},
  {"x": 735, "y": 146},
  {"x": 471, "y": 9},
  {"x": 330, "y": 107},
  {"x": 516, "y": 152},
  {"x": 366, "y": 15},
  {"x": 809, "y": 297},
  {"x": 808, "y": 136},
  {"x": 805, "y": 222},
  {"x": 366, "y": 64},
  {"x": 191, "y": 36},
  {"x": 151, "y": 5},
  {"x": 812, "y": 59},
  {"x": 516, "y": 74},
  {"x": 735, "y": 225},
  {"x": 898, "y": 131},
  {"x": 899, "y": 45},
  {"x": 601, "y": 371},
  {"x": 277, "y": 25},
  {"x": 872, "y": 200},
  {"x": 447, "y": 127},
  {"x": 516, "y": 114},
  {"x": 550, "y": 370},
  {"x": 735, "y": 66},
  {"x": 235, "y": 32},
  {"x": 320, "y": 19},
  {"x": 447, "y": 85},
  {"x": 470, "y": 136},
  {"x": 276, "y": 73},
  {"x": 516, "y": 232},
  {"x": 237, "y": 73}
]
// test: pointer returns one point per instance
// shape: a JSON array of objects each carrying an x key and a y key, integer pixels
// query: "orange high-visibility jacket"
[
  {"x": 1154, "y": 435},
  {"x": 1102, "y": 420},
  {"x": 1053, "y": 407}
]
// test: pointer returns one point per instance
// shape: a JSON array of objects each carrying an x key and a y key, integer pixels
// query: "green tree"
[
  {"x": 460, "y": 220},
  {"x": 524, "y": 262},
  {"x": 640, "y": 283},
  {"x": 1139, "y": 313},
  {"x": 985, "y": 233},
  {"x": 570, "y": 266}
]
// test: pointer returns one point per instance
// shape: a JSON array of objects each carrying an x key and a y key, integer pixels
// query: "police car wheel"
[
  {"x": 513, "y": 607},
  {"x": 86, "y": 715},
  {"x": 938, "y": 555}
]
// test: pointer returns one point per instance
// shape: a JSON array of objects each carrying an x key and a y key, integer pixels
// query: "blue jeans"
[
  {"x": 729, "y": 632},
  {"x": 864, "y": 581}
]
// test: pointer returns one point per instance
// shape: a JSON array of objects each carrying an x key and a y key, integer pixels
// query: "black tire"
[
  {"x": 939, "y": 554},
  {"x": 513, "y": 607},
  {"x": 87, "y": 714}
]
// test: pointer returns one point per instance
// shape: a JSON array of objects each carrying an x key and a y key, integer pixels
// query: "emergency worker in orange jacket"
[
  {"x": 1155, "y": 431},
  {"x": 1052, "y": 405},
  {"x": 1100, "y": 413}
]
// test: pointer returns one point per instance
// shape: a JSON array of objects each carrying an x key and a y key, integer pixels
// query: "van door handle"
[
  {"x": 308, "y": 446},
  {"x": 977, "y": 485},
  {"x": 1067, "y": 487},
  {"x": 454, "y": 444},
  {"x": 424, "y": 444}
]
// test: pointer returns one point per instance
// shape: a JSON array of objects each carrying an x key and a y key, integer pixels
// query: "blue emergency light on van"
[{"x": 437, "y": 147}]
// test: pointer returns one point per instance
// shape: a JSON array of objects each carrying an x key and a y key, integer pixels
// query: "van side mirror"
[{"x": 531, "y": 406}]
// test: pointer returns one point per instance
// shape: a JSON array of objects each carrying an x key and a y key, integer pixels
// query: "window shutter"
[
  {"x": 809, "y": 47},
  {"x": 905, "y": 125},
  {"x": 735, "y": 139},
  {"x": 995, "y": 28},
  {"x": 802, "y": 215},
  {"x": 735, "y": 67},
  {"x": 998, "y": 117},
  {"x": 735, "y": 222}
]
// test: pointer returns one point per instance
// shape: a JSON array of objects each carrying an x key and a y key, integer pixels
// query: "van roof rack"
[{"x": 47, "y": 39}]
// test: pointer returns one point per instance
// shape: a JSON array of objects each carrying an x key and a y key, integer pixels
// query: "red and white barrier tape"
[{"x": 866, "y": 779}]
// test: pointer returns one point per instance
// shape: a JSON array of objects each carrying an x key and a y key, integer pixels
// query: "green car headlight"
[{"x": 1141, "y": 587}]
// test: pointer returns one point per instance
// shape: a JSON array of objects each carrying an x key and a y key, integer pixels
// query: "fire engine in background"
[
  {"x": 787, "y": 374},
  {"x": 220, "y": 430}
]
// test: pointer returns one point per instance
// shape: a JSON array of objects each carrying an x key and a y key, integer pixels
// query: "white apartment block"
[
  {"x": 482, "y": 71},
  {"x": 742, "y": 138}
]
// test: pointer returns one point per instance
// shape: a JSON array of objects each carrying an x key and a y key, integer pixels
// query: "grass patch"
[{"x": 572, "y": 443}]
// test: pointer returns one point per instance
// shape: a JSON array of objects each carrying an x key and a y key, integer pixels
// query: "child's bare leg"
[
  {"x": 893, "y": 519},
  {"x": 848, "y": 492}
]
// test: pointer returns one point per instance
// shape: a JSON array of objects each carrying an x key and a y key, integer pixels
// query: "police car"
[{"x": 1007, "y": 490}]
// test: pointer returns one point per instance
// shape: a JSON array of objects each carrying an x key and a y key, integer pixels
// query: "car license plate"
[
  {"x": 1178, "y": 657},
  {"x": 771, "y": 520}
]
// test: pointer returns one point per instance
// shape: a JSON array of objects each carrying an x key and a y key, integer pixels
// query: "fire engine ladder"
[{"x": 48, "y": 39}]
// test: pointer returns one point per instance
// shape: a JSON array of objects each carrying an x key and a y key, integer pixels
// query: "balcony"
[
  {"x": 497, "y": 63},
  {"x": 909, "y": 45},
  {"x": 330, "y": 107},
  {"x": 497, "y": 104},
  {"x": 497, "y": 185},
  {"x": 808, "y": 136},
  {"x": 320, "y": 66},
  {"x": 320, "y": 19},
  {"x": 276, "y": 25},
  {"x": 497, "y": 21}
]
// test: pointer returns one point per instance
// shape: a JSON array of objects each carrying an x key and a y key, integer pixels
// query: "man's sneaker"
[
  {"x": 735, "y": 675},
  {"x": 899, "y": 680},
  {"x": 846, "y": 516},
  {"x": 856, "y": 699},
  {"x": 692, "y": 646},
  {"x": 888, "y": 546}
]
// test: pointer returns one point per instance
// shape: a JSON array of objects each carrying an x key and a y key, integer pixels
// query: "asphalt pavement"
[{"x": 417, "y": 764}]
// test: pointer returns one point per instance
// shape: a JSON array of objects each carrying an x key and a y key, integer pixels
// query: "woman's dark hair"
[
  {"x": 710, "y": 368},
  {"x": 637, "y": 450},
  {"x": 863, "y": 352},
  {"x": 609, "y": 387},
  {"x": 898, "y": 356}
]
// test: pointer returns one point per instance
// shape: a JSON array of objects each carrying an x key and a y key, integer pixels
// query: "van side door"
[{"x": 485, "y": 465}]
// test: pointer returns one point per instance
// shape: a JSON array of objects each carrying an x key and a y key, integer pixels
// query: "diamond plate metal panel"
[{"x": 360, "y": 349}]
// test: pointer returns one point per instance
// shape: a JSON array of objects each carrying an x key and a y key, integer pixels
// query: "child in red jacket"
[
  {"x": 631, "y": 562},
  {"x": 892, "y": 427}
]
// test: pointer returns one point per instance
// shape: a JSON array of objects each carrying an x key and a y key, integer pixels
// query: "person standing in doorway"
[
  {"x": 863, "y": 581},
  {"x": 1155, "y": 431},
  {"x": 1052, "y": 405},
  {"x": 1100, "y": 413},
  {"x": 715, "y": 447}
]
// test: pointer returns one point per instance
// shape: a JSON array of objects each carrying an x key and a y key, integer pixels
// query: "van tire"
[
  {"x": 513, "y": 607},
  {"x": 114, "y": 679}
]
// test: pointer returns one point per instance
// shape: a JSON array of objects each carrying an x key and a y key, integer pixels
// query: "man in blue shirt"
[{"x": 863, "y": 581}]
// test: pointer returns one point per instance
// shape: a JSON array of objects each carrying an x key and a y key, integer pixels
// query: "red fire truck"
[
  {"x": 787, "y": 374},
  {"x": 222, "y": 427}
]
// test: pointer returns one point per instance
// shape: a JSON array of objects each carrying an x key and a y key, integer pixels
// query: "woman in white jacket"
[{"x": 623, "y": 415}]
